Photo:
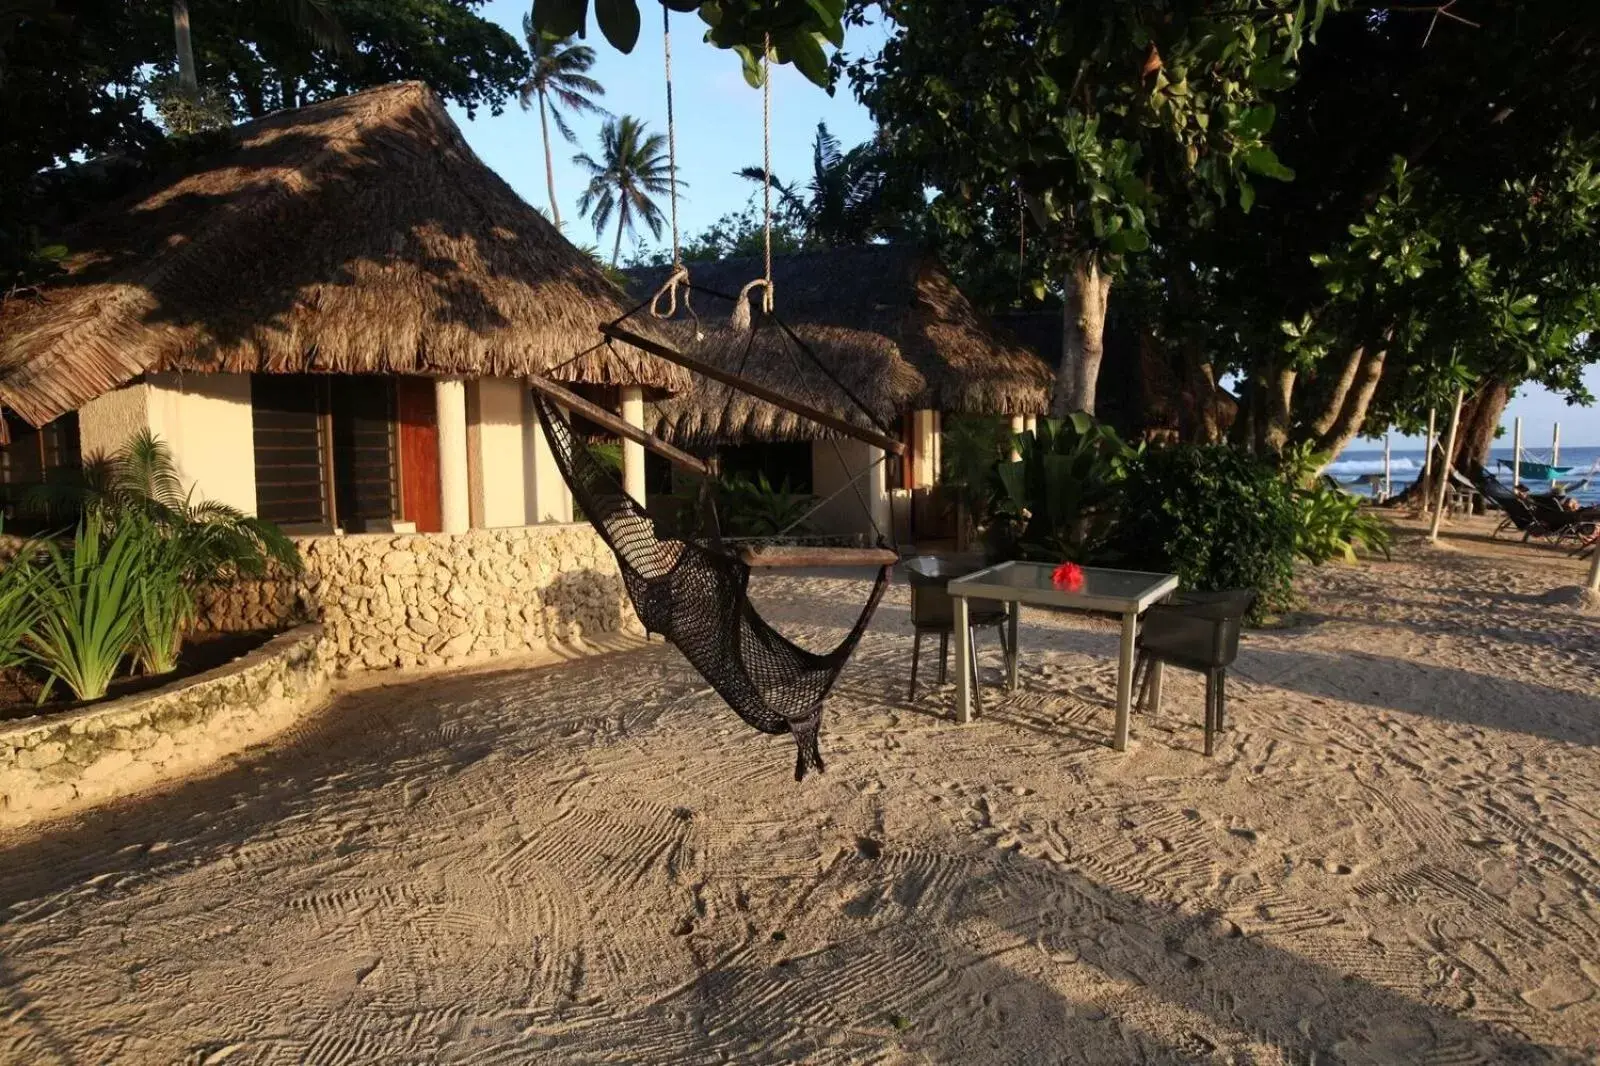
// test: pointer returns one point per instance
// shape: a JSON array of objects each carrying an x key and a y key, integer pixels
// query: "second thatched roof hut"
[{"x": 885, "y": 318}]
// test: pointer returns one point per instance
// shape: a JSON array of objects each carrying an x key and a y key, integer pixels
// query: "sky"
[{"x": 719, "y": 131}]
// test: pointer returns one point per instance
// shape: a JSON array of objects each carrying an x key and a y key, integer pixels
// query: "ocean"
[{"x": 1406, "y": 465}]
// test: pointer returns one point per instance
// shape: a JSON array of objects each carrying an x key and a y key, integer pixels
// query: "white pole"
[
  {"x": 1516, "y": 453},
  {"x": 1427, "y": 460},
  {"x": 1444, "y": 469},
  {"x": 1555, "y": 447},
  {"x": 1388, "y": 485},
  {"x": 1594, "y": 571},
  {"x": 632, "y": 451}
]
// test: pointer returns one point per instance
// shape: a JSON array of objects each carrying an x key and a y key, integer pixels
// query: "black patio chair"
[
  {"x": 934, "y": 611},
  {"x": 1561, "y": 524},
  {"x": 1196, "y": 631}
]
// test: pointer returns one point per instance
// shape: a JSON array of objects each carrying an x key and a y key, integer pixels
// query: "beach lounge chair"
[
  {"x": 1197, "y": 631},
  {"x": 1519, "y": 513},
  {"x": 933, "y": 611}
]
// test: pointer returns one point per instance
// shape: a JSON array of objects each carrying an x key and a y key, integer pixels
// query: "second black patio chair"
[
  {"x": 933, "y": 611},
  {"x": 1197, "y": 631}
]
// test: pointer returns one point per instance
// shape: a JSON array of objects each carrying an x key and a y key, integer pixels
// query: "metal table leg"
[
  {"x": 964, "y": 678},
  {"x": 1011, "y": 645},
  {"x": 1130, "y": 632}
]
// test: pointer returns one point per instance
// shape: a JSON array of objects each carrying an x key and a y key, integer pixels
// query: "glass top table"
[{"x": 1124, "y": 592}]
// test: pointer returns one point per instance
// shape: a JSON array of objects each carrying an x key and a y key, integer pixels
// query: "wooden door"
[{"x": 417, "y": 414}]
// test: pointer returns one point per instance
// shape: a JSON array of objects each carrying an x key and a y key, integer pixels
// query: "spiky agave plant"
[{"x": 87, "y": 603}]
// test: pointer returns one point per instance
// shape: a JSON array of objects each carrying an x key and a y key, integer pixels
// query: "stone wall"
[
  {"x": 76, "y": 758},
  {"x": 427, "y": 600}
]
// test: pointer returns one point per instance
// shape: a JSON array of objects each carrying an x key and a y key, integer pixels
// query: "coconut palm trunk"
[{"x": 549, "y": 160}]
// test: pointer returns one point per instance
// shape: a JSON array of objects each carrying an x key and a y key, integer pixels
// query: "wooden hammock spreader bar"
[
  {"x": 756, "y": 389},
  {"x": 781, "y": 555},
  {"x": 600, "y": 416}
]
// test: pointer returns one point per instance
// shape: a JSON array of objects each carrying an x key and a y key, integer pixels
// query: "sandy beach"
[{"x": 1394, "y": 857}]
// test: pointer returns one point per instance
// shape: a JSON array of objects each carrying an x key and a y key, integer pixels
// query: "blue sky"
[{"x": 719, "y": 131}]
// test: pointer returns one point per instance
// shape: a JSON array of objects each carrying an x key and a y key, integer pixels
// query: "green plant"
[
  {"x": 1060, "y": 499},
  {"x": 1329, "y": 522},
  {"x": 1216, "y": 517},
  {"x": 608, "y": 453},
  {"x": 166, "y": 605},
  {"x": 87, "y": 606},
  {"x": 754, "y": 508},
  {"x": 17, "y": 604}
]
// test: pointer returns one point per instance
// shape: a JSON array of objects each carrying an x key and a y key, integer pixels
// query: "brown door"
[{"x": 417, "y": 415}]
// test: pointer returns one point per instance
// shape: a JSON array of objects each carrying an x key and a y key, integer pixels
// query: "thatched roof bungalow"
[
  {"x": 295, "y": 314},
  {"x": 885, "y": 320}
]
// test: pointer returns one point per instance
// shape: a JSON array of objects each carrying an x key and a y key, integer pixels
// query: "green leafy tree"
[
  {"x": 559, "y": 81},
  {"x": 796, "y": 30},
  {"x": 737, "y": 234},
  {"x": 1439, "y": 235},
  {"x": 1108, "y": 118},
  {"x": 631, "y": 171}
]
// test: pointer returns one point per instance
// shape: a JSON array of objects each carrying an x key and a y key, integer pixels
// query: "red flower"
[{"x": 1068, "y": 576}]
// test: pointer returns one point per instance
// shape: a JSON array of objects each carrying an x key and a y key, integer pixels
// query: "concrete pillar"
[
  {"x": 938, "y": 445},
  {"x": 544, "y": 490},
  {"x": 1019, "y": 425},
  {"x": 455, "y": 494},
  {"x": 633, "y": 453},
  {"x": 1031, "y": 423},
  {"x": 924, "y": 449}
]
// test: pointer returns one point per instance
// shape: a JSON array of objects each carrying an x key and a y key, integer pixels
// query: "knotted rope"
[{"x": 680, "y": 273}]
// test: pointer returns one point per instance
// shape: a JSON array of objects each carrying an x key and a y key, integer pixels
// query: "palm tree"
[
  {"x": 559, "y": 80},
  {"x": 841, "y": 203},
  {"x": 634, "y": 169}
]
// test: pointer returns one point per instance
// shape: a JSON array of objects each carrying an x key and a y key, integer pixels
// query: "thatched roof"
[
  {"x": 878, "y": 314},
  {"x": 712, "y": 413},
  {"x": 357, "y": 235}
]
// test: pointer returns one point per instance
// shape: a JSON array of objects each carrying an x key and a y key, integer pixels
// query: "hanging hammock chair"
[{"x": 697, "y": 596}]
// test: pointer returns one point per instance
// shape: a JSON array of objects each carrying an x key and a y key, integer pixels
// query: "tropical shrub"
[
  {"x": 140, "y": 482},
  {"x": 1216, "y": 517},
  {"x": 1061, "y": 498},
  {"x": 87, "y": 604},
  {"x": 970, "y": 447},
  {"x": 166, "y": 604},
  {"x": 754, "y": 508},
  {"x": 1330, "y": 523},
  {"x": 17, "y": 605}
]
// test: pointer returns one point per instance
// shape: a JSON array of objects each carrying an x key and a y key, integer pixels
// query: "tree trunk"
[
  {"x": 1280, "y": 411},
  {"x": 188, "y": 80},
  {"x": 1353, "y": 413},
  {"x": 549, "y": 164},
  {"x": 1324, "y": 422},
  {"x": 1480, "y": 418},
  {"x": 1083, "y": 337},
  {"x": 1479, "y": 423},
  {"x": 616, "y": 249}
]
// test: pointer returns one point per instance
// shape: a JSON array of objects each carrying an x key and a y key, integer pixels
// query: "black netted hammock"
[{"x": 697, "y": 596}]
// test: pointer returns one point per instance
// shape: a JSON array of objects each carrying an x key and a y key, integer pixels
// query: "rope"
[
  {"x": 766, "y": 162},
  {"x": 672, "y": 130},
  {"x": 680, "y": 273}
]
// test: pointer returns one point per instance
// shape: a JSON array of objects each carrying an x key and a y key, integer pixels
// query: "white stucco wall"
[
  {"x": 204, "y": 418},
  {"x": 845, "y": 514},
  {"x": 495, "y": 413}
]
